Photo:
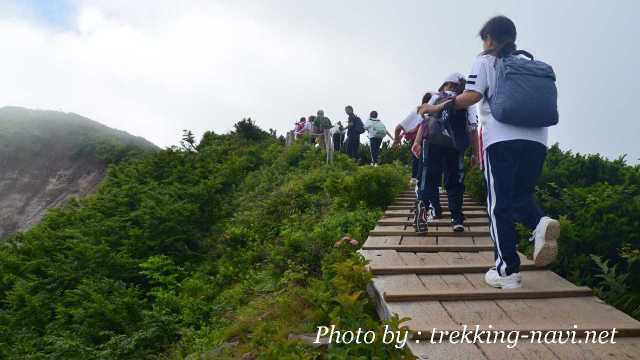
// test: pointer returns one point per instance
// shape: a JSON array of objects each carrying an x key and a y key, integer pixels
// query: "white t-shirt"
[
  {"x": 481, "y": 79},
  {"x": 411, "y": 122}
]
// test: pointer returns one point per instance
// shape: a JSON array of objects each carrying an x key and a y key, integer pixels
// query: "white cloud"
[
  {"x": 154, "y": 68},
  {"x": 191, "y": 70}
]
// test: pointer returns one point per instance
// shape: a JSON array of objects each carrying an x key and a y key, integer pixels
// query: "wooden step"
[
  {"x": 432, "y": 231},
  {"x": 487, "y": 294},
  {"x": 412, "y": 204},
  {"x": 525, "y": 332},
  {"x": 627, "y": 348},
  {"x": 430, "y": 248},
  {"x": 438, "y": 270},
  {"x": 445, "y": 214},
  {"x": 444, "y": 207},
  {"x": 400, "y": 221},
  {"x": 413, "y": 198}
]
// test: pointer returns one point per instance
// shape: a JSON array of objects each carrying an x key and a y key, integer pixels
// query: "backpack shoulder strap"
[{"x": 522, "y": 52}]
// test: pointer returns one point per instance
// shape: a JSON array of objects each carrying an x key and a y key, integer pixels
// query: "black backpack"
[
  {"x": 439, "y": 126},
  {"x": 358, "y": 126}
]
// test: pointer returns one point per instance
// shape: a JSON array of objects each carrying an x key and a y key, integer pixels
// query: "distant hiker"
[
  {"x": 442, "y": 141},
  {"x": 377, "y": 131},
  {"x": 407, "y": 129},
  {"x": 320, "y": 124},
  {"x": 337, "y": 134},
  {"x": 514, "y": 143},
  {"x": 299, "y": 127},
  {"x": 308, "y": 128},
  {"x": 355, "y": 127}
]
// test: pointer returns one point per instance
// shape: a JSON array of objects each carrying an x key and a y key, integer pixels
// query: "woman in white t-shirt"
[{"x": 513, "y": 160}]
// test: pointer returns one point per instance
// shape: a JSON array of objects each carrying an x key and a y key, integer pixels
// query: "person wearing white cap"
[{"x": 447, "y": 156}]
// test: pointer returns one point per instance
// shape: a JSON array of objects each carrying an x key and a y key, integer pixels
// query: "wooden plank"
[
  {"x": 373, "y": 241},
  {"x": 465, "y": 258},
  {"x": 433, "y": 231},
  {"x": 624, "y": 348},
  {"x": 488, "y": 294},
  {"x": 382, "y": 257},
  {"x": 561, "y": 313},
  {"x": 408, "y": 221},
  {"x": 423, "y": 350},
  {"x": 444, "y": 207},
  {"x": 418, "y": 240},
  {"x": 428, "y": 248},
  {"x": 622, "y": 331},
  {"x": 412, "y": 202},
  {"x": 482, "y": 240},
  {"x": 464, "y": 241},
  {"x": 445, "y": 214},
  {"x": 449, "y": 269}
]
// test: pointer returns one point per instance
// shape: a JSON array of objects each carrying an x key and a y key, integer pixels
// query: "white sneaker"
[
  {"x": 513, "y": 281},
  {"x": 545, "y": 238},
  {"x": 413, "y": 181}
]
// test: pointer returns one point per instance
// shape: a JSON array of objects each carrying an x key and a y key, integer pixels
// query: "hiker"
[
  {"x": 407, "y": 129},
  {"x": 514, "y": 144},
  {"x": 308, "y": 128},
  {"x": 442, "y": 141},
  {"x": 299, "y": 127},
  {"x": 355, "y": 127},
  {"x": 320, "y": 124},
  {"x": 337, "y": 134},
  {"x": 377, "y": 131}
]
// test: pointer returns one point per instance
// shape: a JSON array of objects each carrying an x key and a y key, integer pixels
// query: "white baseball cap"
[{"x": 453, "y": 78}]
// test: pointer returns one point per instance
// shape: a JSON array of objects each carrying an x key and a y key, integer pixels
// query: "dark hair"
[
  {"x": 374, "y": 114},
  {"x": 348, "y": 107},
  {"x": 426, "y": 98},
  {"x": 503, "y": 32},
  {"x": 303, "y": 119}
]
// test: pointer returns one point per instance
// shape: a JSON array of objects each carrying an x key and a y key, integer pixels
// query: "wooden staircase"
[{"x": 437, "y": 280}]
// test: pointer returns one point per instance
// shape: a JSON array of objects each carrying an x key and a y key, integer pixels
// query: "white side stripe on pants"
[{"x": 501, "y": 266}]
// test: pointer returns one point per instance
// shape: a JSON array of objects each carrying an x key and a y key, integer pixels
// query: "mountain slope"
[{"x": 47, "y": 157}]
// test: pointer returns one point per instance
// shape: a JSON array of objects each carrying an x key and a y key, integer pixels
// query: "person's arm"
[
  {"x": 432, "y": 109},
  {"x": 416, "y": 148},
  {"x": 467, "y": 98},
  {"x": 390, "y": 136},
  {"x": 396, "y": 138}
]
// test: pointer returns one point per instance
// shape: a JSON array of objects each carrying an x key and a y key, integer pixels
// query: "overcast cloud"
[{"x": 153, "y": 68}]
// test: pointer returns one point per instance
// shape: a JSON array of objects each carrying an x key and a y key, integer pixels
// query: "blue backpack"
[{"x": 525, "y": 92}]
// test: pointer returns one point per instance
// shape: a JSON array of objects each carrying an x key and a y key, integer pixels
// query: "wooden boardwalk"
[{"x": 437, "y": 280}]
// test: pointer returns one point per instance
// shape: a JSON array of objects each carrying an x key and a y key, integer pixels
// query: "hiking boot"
[
  {"x": 458, "y": 225},
  {"x": 421, "y": 217},
  {"x": 545, "y": 238},
  {"x": 513, "y": 281},
  {"x": 433, "y": 214}
]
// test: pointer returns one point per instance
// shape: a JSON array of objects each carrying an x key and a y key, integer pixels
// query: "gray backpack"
[{"x": 525, "y": 92}]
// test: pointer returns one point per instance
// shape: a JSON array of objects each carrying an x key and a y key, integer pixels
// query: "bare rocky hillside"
[{"x": 47, "y": 157}]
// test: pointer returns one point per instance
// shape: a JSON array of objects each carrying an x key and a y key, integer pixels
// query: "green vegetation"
[
  {"x": 208, "y": 251},
  {"x": 26, "y": 134},
  {"x": 598, "y": 203}
]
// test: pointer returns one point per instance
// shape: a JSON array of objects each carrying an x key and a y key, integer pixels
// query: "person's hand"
[
  {"x": 443, "y": 105},
  {"x": 416, "y": 149}
]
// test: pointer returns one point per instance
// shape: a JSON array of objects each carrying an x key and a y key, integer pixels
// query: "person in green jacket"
[{"x": 377, "y": 131}]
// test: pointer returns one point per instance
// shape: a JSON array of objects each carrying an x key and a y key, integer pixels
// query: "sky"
[{"x": 156, "y": 67}]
